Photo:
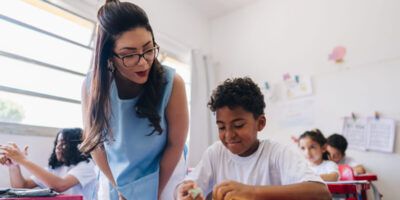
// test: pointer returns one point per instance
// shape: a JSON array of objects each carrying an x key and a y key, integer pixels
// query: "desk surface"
[
  {"x": 348, "y": 187},
  {"x": 366, "y": 177},
  {"x": 58, "y": 197}
]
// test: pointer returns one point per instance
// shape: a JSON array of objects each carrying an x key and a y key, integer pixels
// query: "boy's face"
[
  {"x": 334, "y": 154},
  {"x": 238, "y": 129}
]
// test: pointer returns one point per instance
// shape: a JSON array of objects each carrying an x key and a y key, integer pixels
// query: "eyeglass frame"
[{"x": 141, "y": 55}]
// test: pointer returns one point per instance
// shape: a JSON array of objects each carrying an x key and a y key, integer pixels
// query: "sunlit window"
[
  {"x": 45, "y": 52},
  {"x": 184, "y": 71}
]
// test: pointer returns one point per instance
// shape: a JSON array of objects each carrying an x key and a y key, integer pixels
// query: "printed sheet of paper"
[
  {"x": 370, "y": 133},
  {"x": 355, "y": 131},
  {"x": 381, "y": 134}
]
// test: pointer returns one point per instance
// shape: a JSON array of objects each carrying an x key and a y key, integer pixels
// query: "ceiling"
[
  {"x": 209, "y": 8},
  {"x": 216, "y": 8}
]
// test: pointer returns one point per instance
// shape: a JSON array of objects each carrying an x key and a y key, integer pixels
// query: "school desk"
[
  {"x": 349, "y": 189},
  {"x": 58, "y": 197},
  {"x": 366, "y": 177}
]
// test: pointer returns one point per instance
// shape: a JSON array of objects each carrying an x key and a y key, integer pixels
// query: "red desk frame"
[
  {"x": 349, "y": 189},
  {"x": 366, "y": 177}
]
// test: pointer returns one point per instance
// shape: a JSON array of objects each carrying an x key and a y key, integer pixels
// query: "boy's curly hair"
[{"x": 237, "y": 92}]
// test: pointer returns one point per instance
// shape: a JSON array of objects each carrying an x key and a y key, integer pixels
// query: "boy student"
[
  {"x": 242, "y": 167},
  {"x": 337, "y": 145}
]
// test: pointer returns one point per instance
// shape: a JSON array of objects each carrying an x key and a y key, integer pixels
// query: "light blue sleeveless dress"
[{"x": 134, "y": 155}]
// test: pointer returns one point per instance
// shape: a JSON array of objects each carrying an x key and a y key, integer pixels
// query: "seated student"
[
  {"x": 313, "y": 145},
  {"x": 337, "y": 145},
  {"x": 240, "y": 166},
  {"x": 68, "y": 171}
]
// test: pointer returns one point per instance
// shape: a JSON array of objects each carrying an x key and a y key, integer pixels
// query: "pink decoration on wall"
[{"x": 338, "y": 54}]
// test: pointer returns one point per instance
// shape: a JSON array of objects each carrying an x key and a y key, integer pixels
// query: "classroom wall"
[
  {"x": 176, "y": 24},
  {"x": 268, "y": 38}
]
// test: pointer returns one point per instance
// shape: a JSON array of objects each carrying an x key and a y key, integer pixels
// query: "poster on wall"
[
  {"x": 296, "y": 113},
  {"x": 297, "y": 86},
  {"x": 370, "y": 133},
  {"x": 272, "y": 92}
]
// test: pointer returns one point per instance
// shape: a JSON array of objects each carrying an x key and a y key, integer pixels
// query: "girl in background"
[
  {"x": 68, "y": 171},
  {"x": 313, "y": 145}
]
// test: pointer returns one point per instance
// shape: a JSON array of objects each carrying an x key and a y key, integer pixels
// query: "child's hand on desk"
[
  {"x": 188, "y": 190},
  {"x": 231, "y": 190},
  {"x": 12, "y": 154}
]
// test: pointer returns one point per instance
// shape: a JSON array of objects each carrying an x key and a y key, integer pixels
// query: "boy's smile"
[{"x": 238, "y": 129}]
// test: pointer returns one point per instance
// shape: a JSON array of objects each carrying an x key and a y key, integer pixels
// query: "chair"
[{"x": 346, "y": 173}]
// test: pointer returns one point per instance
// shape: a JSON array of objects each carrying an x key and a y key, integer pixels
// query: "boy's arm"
[{"x": 299, "y": 191}]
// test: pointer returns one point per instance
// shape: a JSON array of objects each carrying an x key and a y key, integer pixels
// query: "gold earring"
[{"x": 110, "y": 66}]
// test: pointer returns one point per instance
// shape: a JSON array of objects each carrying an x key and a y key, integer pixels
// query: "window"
[
  {"x": 184, "y": 71},
  {"x": 45, "y": 52},
  {"x": 180, "y": 68}
]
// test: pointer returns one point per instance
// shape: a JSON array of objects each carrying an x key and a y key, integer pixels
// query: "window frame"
[{"x": 37, "y": 130}]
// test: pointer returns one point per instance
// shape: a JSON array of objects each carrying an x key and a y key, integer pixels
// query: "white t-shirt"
[
  {"x": 348, "y": 161},
  {"x": 326, "y": 167},
  {"x": 84, "y": 172},
  {"x": 271, "y": 164}
]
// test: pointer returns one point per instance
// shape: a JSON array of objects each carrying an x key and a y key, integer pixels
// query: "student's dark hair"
[
  {"x": 238, "y": 92},
  {"x": 337, "y": 141},
  {"x": 71, "y": 138},
  {"x": 317, "y": 136},
  {"x": 115, "y": 18}
]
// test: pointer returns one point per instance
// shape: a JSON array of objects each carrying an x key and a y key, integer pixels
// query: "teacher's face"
[{"x": 128, "y": 45}]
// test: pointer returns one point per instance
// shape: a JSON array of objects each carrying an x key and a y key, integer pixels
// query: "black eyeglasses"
[{"x": 133, "y": 59}]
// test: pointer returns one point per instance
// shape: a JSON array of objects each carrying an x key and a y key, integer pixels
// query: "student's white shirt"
[
  {"x": 326, "y": 167},
  {"x": 84, "y": 172},
  {"x": 271, "y": 164},
  {"x": 348, "y": 161}
]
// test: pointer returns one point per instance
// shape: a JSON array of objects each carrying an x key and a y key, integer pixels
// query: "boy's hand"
[
  {"x": 13, "y": 154},
  {"x": 231, "y": 190},
  {"x": 188, "y": 190}
]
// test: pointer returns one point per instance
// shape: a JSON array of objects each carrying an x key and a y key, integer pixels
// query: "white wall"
[
  {"x": 177, "y": 25},
  {"x": 178, "y": 21},
  {"x": 266, "y": 39}
]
